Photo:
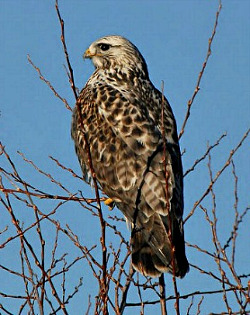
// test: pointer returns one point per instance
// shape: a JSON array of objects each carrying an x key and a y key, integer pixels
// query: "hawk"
[{"x": 119, "y": 111}]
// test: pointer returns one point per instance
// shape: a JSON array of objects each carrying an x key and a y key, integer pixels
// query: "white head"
[{"x": 115, "y": 52}]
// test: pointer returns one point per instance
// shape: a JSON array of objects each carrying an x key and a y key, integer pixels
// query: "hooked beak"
[{"x": 88, "y": 54}]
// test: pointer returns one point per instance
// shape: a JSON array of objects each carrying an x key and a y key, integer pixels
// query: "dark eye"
[{"x": 104, "y": 47}]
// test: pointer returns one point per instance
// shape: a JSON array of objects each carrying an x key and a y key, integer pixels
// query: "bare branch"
[
  {"x": 49, "y": 84},
  {"x": 70, "y": 70},
  {"x": 204, "y": 155},
  {"x": 197, "y": 88},
  {"x": 227, "y": 163}
]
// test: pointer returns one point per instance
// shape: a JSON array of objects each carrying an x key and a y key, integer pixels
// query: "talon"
[{"x": 110, "y": 203}]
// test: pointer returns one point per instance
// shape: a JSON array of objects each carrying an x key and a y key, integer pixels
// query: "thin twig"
[
  {"x": 70, "y": 72},
  {"x": 204, "y": 155},
  {"x": 218, "y": 174},
  {"x": 48, "y": 83},
  {"x": 197, "y": 88},
  {"x": 163, "y": 295},
  {"x": 169, "y": 215},
  {"x": 169, "y": 298}
]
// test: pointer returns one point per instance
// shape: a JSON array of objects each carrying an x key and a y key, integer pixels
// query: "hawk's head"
[{"x": 115, "y": 52}]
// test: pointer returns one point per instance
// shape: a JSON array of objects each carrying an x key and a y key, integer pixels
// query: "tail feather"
[
  {"x": 152, "y": 251},
  {"x": 145, "y": 262}
]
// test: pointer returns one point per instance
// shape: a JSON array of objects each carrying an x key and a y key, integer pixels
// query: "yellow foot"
[{"x": 110, "y": 203}]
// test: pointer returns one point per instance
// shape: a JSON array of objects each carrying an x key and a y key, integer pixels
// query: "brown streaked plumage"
[{"x": 121, "y": 115}]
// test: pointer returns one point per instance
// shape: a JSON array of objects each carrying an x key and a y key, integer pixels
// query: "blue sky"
[{"x": 173, "y": 38}]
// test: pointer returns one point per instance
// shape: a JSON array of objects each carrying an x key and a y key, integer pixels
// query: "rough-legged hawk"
[{"x": 121, "y": 117}]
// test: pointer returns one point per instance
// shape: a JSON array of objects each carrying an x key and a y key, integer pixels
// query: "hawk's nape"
[{"x": 120, "y": 111}]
